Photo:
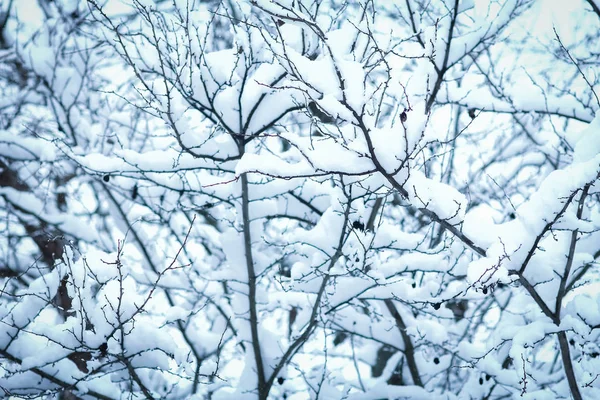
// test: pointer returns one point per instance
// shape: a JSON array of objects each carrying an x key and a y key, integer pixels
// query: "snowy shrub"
[{"x": 292, "y": 199}]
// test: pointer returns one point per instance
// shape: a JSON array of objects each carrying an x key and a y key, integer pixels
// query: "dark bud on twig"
[
  {"x": 485, "y": 290},
  {"x": 436, "y": 306},
  {"x": 403, "y": 116},
  {"x": 318, "y": 113},
  {"x": 134, "y": 192},
  {"x": 106, "y": 178},
  {"x": 280, "y": 22},
  {"x": 472, "y": 112}
]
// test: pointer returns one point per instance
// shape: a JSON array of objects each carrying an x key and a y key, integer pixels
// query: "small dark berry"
[
  {"x": 481, "y": 381},
  {"x": 436, "y": 306},
  {"x": 594, "y": 354},
  {"x": 106, "y": 178},
  {"x": 280, "y": 380},
  {"x": 403, "y": 116},
  {"x": 487, "y": 377},
  {"x": 572, "y": 342},
  {"x": 472, "y": 112},
  {"x": 436, "y": 360},
  {"x": 485, "y": 290},
  {"x": 414, "y": 285}
]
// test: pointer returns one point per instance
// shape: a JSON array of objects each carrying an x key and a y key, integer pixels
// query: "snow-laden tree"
[{"x": 252, "y": 199}]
